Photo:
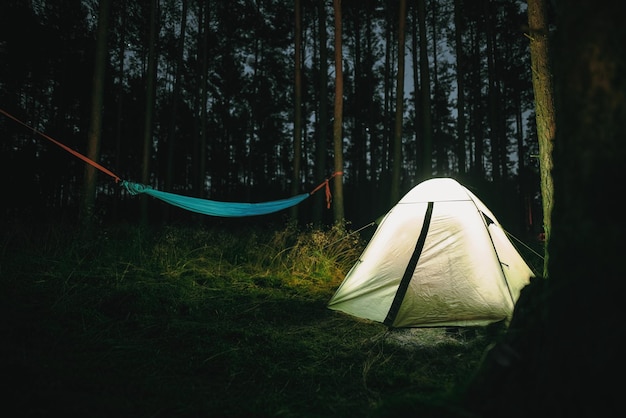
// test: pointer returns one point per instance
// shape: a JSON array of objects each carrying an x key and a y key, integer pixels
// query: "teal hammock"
[
  {"x": 213, "y": 207},
  {"x": 194, "y": 204}
]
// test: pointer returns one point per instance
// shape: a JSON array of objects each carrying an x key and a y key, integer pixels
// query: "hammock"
[
  {"x": 213, "y": 207},
  {"x": 194, "y": 204}
]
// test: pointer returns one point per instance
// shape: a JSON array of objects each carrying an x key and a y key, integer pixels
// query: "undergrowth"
[{"x": 204, "y": 322}]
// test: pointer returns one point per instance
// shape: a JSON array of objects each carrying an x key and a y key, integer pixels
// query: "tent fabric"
[
  {"x": 438, "y": 258},
  {"x": 213, "y": 207}
]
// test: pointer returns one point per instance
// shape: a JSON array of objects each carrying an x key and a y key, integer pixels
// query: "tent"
[{"x": 438, "y": 258}]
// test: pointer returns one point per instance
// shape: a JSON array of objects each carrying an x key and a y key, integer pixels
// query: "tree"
[
  {"x": 176, "y": 98},
  {"x": 460, "y": 80},
  {"x": 149, "y": 106},
  {"x": 494, "y": 111},
  {"x": 397, "y": 133},
  {"x": 322, "y": 119},
  {"x": 120, "y": 53},
  {"x": 94, "y": 137},
  {"x": 563, "y": 347},
  {"x": 544, "y": 107},
  {"x": 338, "y": 209},
  {"x": 297, "y": 116},
  {"x": 426, "y": 145},
  {"x": 201, "y": 139},
  {"x": 233, "y": 118}
]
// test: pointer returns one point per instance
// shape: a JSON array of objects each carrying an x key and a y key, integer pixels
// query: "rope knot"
[{"x": 326, "y": 186}]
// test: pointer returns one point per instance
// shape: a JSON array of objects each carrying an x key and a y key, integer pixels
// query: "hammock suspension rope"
[{"x": 194, "y": 204}]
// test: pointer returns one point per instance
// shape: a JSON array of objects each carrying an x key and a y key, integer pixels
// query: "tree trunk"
[
  {"x": 95, "y": 127},
  {"x": 439, "y": 143},
  {"x": 425, "y": 105},
  {"x": 544, "y": 107},
  {"x": 563, "y": 351},
  {"x": 201, "y": 160},
  {"x": 297, "y": 117},
  {"x": 386, "y": 136},
  {"x": 477, "y": 113},
  {"x": 119, "y": 96},
  {"x": 149, "y": 108},
  {"x": 171, "y": 135},
  {"x": 417, "y": 132},
  {"x": 397, "y": 134},
  {"x": 361, "y": 95},
  {"x": 493, "y": 94},
  {"x": 460, "y": 83},
  {"x": 338, "y": 209},
  {"x": 322, "y": 126}
]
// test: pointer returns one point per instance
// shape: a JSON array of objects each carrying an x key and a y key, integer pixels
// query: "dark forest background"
[
  {"x": 223, "y": 121},
  {"x": 223, "y": 129}
]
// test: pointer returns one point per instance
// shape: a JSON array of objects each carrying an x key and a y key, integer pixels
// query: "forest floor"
[{"x": 171, "y": 324}]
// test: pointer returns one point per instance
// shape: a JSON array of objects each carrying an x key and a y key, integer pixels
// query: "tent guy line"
[{"x": 194, "y": 204}]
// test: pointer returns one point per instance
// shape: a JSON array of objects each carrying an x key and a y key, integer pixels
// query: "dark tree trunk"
[
  {"x": 297, "y": 123},
  {"x": 338, "y": 209},
  {"x": 95, "y": 128},
  {"x": 562, "y": 354},
  {"x": 149, "y": 107},
  {"x": 397, "y": 132},
  {"x": 176, "y": 96},
  {"x": 322, "y": 127},
  {"x": 460, "y": 77},
  {"x": 425, "y": 105}
]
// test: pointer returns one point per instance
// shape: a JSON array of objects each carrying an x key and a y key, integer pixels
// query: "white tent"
[{"x": 438, "y": 258}]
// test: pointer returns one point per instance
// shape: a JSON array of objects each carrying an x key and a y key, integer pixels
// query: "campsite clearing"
[{"x": 182, "y": 322}]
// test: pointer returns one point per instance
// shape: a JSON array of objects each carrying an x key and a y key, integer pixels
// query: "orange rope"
[
  {"x": 117, "y": 179},
  {"x": 327, "y": 186},
  {"x": 66, "y": 148}
]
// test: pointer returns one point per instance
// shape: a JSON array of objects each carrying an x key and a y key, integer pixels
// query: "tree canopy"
[{"x": 224, "y": 99}]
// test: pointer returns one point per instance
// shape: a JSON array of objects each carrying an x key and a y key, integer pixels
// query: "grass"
[{"x": 205, "y": 322}]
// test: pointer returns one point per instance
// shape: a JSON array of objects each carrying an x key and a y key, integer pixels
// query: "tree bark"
[
  {"x": 397, "y": 132},
  {"x": 172, "y": 129},
  {"x": 460, "y": 83},
  {"x": 94, "y": 136},
  {"x": 338, "y": 209},
  {"x": 203, "y": 96},
  {"x": 493, "y": 95},
  {"x": 322, "y": 126},
  {"x": 425, "y": 105},
  {"x": 297, "y": 117},
  {"x": 562, "y": 352},
  {"x": 149, "y": 107},
  {"x": 544, "y": 108}
]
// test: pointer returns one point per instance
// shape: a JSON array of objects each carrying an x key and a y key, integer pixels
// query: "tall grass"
[{"x": 208, "y": 322}]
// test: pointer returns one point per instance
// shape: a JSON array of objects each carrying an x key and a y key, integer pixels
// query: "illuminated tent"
[{"x": 438, "y": 258}]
